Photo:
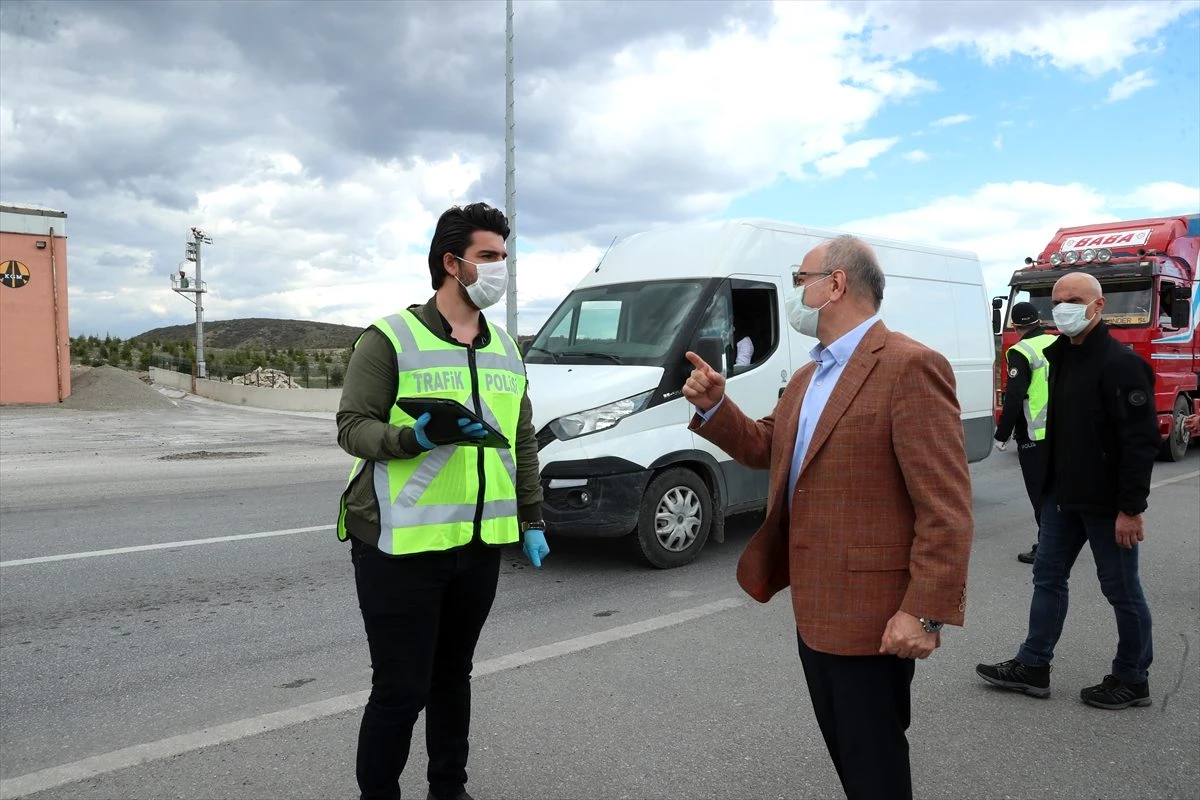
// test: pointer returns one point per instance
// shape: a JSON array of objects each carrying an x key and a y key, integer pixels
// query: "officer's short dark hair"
[{"x": 454, "y": 230}]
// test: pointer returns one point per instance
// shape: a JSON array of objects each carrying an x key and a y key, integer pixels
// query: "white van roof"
[{"x": 699, "y": 249}]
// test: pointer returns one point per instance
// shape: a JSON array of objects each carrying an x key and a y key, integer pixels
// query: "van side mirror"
[
  {"x": 712, "y": 350},
  {"x": 1181, "y": 308}
]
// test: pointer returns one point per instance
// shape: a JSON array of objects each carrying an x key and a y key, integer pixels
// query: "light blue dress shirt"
[{"x": 830, "y": 363}]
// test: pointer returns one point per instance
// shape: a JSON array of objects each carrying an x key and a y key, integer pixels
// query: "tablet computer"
[{"x": 444, "y": 415}]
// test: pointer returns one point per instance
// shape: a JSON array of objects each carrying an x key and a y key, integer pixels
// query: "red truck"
[{"x": 1148, "y": 269}]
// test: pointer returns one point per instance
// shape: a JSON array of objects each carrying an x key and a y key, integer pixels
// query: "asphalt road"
[{"x": 234, "y": 668}]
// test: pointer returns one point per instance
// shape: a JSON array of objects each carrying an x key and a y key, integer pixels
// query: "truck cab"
[{"x": 1147, "y": 270}]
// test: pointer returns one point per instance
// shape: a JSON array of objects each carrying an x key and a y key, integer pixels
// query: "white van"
[{"x": 606, "y": 371}]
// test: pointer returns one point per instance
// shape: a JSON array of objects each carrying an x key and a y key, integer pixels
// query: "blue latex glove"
[
  {"x": 471, "y": 430},
  {"x": 419, "y": 430},
  {"x": 535, "y": 547}
]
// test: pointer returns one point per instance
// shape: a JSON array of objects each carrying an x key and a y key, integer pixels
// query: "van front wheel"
[{"x": 675, "y": 518}]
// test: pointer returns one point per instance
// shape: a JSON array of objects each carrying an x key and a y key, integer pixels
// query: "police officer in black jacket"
[
  {"x": 1102, "y": 439},
  {"x": 1022, "y": 416}
]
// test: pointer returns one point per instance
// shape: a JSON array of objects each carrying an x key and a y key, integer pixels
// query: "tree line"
[{"x": 310, "y": 368}]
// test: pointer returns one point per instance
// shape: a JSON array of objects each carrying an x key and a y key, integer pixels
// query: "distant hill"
[{"x": 265, "y": 333}]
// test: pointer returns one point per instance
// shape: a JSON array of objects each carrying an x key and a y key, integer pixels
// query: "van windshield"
[{"x": 626, "y": 323}]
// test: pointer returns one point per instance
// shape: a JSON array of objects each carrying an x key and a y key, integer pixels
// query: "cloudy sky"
[{"x": 317, "y": 142}]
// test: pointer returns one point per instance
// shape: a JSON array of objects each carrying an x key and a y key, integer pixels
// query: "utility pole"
[
  {"x": 510, "y": 174},
  {"x": 181, "y": 285}
]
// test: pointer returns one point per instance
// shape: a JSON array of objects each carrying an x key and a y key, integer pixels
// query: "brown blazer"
[{"x": 881, "y": 519}]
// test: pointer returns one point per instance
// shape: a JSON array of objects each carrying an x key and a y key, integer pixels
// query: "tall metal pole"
[
  {"x": 200, "y": 368},
  {"x": 510, "y": 176}
]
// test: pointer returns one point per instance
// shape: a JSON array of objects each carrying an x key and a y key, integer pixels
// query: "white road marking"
[
  {"x": 17, "y": 562},
  {"x": 1176, "y": 479},
  {"x": 141, "y": 548},
  {"x": 222, "y": 734}
]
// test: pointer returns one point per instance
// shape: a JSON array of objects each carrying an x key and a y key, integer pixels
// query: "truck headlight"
[{"x": 598, "y": 419}]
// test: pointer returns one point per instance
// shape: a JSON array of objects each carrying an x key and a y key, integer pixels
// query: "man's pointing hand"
[{"x": 705, "y": 386}]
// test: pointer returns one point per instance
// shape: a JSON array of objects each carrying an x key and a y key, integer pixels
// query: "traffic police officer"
[
  {"x": 424, "y": 511},
  {"x": 1026, "y": 396}
]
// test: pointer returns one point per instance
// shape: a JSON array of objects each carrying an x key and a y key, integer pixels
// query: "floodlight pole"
[{"x": 510, "y": 176}]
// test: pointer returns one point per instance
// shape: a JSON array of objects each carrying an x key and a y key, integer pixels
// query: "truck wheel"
[
  {"x": 675, "y": 518},
  {"x": 1174, "y": 448}
]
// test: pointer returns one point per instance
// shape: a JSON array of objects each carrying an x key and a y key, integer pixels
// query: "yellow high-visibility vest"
[
  {"x": 1037, "y": 398},
  {"x": 431, "y": 502}
]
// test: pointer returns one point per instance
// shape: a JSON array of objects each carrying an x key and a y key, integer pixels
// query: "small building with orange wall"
[{"x": 35, "y": 346}]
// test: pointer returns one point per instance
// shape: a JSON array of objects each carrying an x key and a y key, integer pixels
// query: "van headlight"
[{"x": 598, "y": 419}]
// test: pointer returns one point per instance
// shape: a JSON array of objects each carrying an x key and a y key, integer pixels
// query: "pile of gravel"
[{"x": 111, "y": 389}]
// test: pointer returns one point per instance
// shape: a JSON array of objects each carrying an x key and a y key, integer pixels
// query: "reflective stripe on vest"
[
  {"x": 430, "y": 502},
  {"x": 1037, "y": 397}
]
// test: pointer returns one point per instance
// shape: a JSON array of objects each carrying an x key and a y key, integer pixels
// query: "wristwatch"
[
  {"x": 929, "y": 625},
  {"x": 539, "y": 525}
]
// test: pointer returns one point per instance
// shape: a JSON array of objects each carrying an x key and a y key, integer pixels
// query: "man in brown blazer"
[{"x": 869, "y": 515}]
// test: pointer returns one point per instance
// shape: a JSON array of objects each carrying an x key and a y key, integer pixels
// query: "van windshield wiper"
[
  {"x": 550, "y": 353},
  {"x": 587, "y": 354}
]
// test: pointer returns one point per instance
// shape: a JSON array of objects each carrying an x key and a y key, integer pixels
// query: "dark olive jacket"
[{"x": 364, "y": 431}]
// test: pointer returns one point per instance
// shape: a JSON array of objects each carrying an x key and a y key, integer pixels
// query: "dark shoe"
[
  {"x": 1028, "y": 558},
  {"x": 1115, "y": 694},
  {"x": 461, "y": 795},
  {"x": 1033, "y": 681}
]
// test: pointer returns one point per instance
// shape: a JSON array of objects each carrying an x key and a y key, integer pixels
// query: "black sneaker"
[
  {"x": 1030, "y": 557},
  {"x": 1033, "y": 681},
  {"x": 1116, "y": 694}
]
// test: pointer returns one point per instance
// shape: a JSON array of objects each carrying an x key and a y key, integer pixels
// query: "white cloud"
[
  {"x": 998, "y": 142},
  {"x": 1003, "y": 223},
  {"x": 856, "y": 155},
  {"x": 1163, "y": 197},
  {"x": 311, "y": 221},
  {"x": 722, "y": 108},
  {"x": 953, "y": 119},
  {"x": 322, "y": 205},
  {"x": 1068, "y": 34},
  {"x": 1130, "y": 85}
]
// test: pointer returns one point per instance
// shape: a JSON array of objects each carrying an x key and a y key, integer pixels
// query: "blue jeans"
[{"x": 1062, "y": 536}]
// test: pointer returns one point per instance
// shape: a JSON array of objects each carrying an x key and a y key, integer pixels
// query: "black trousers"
[
  {"x": 863, "y": 706},
  {"x": 1033, "y": 457},
  {"x": 423, "y": 615}
]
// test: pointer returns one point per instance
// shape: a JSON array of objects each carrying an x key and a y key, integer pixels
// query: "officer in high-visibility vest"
[
  {"x": 1025, "y": 397},
  {"x": 425, "y": 511}
]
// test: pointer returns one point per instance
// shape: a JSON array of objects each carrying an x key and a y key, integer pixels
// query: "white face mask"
[
  {"x": 1071, "y": 318},
  {"x": 490, "y": 284},
  {"x": 803, "y": 318}
]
